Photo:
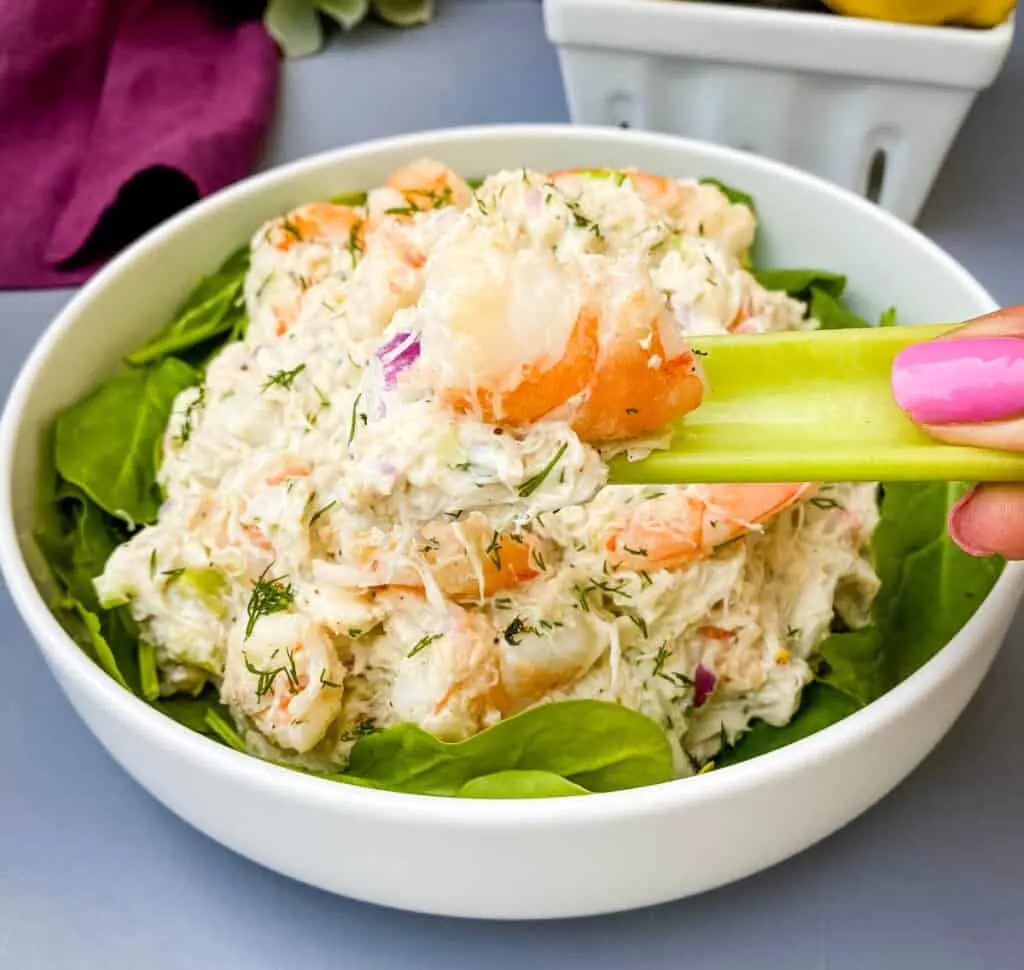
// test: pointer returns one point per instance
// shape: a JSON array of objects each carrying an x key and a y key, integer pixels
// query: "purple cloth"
[{"x": 114, "y": 114}]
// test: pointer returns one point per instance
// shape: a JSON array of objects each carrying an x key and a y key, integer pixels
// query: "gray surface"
[{"x": 94, "y": 873}]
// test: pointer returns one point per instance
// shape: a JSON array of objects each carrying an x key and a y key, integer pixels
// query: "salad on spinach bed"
[{"x": 107, "y": 450}]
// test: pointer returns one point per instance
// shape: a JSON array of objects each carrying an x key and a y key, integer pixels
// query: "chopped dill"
[
  {"x": 580, "y": 220},
  {"x": 354, "y": 633},
  {"x": 322, "y": 510},
  {"x": 423, "y": 643},
  {"x": 283, "y": 378},
  {"x": 823, "y": 502},
  {"x": 352, "y": 422},
  {"x": 493, "y": 550},
  {"x": 502, "y": 603},
  {"x": 639, "y": 622},
  {"x": 324, "y": 682},
  {"x": 323, "y": 398},
  {"x": 638, "y": 551},
  {"x": 186, "y": 424},
  {"x": 645, "y": 578},
  {"x": 632, "y": 410},
  {"x": 355, "y": 247},
  {"x": 516, "y": 630},
  {"x": 617, "y": 588},
  {"x": 538, "y": 558},
  {"x": 173, "y": 574},
  {"x": 535, "y": 481},
  {"x": 266, "y": 676},
  {"x": 454, "y": 516},
  {"x": 659, "y": 659},
  {"x": 582, "y": 603},
  {"x": 289, "y": 227},
  {"x": 268, "y": 596}
]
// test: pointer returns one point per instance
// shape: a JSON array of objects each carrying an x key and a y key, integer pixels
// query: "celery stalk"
[{"x": 808, "y": 406}]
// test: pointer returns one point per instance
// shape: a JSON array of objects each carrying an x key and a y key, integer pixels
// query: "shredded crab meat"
[{"x": 391, "y": 502}]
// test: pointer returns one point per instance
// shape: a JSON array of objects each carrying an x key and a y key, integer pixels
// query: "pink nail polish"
[
  {"x": 955, "y": 527},
  {"x": 960, "y": 381}
]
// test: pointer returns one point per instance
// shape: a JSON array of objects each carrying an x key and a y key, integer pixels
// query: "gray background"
[{"x": 94, "y": 873}]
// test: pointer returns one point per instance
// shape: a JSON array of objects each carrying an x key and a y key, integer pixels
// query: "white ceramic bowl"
[{"x": 544, "y": 858}]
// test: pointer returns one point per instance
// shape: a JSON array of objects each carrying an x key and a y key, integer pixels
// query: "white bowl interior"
[{"x": 805, "y": 222}]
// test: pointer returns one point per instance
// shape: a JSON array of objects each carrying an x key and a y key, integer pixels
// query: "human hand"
[{"x": 967, "y": 388}]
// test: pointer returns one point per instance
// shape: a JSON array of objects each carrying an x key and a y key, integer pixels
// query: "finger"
[
  {"x": 990, "y": 521},
  {"x": 1007, "y": 322},
  {"x": 967, "y": 388}
]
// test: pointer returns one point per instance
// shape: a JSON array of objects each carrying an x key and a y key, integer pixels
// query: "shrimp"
[
  {"x": 689, "y": 522},
  {"x": 286, "y": 677},
  {"x": 449, "y": 680},
  {"x": 468, "y": 560},
  {"x": 418, "y": 187},
  {"x": 515, "y": 336},
  {"x": 322, "y": 222},
  {"x": 474, "y": 670}
]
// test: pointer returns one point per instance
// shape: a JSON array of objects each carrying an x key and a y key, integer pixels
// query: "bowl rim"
[{"x": 67, "y": 660}]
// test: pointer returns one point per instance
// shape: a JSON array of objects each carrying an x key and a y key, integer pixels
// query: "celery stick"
[{"x": 808, "y": 406}]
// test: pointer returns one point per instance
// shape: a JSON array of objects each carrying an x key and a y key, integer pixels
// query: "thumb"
[{"x": 967, "y": 387}]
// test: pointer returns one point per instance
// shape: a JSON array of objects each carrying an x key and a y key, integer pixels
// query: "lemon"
[{"x": 977, "y": 13}]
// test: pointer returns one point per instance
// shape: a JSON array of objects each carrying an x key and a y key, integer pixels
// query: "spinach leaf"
[
  {"x": 214, "y": 308},
  {"x": 736, "y": 196},
  {"x": 106, "y": 442},
  {"x": 195, "y": 712},
  {"x": 831, "y": 313},
  {"x": 799, "y": 283},
  {"x": 89, "y": 634},
  {"x": 77, "y": 538},
  {"x": 520, "y": 784},
  {"x": 599, "y": 745}
]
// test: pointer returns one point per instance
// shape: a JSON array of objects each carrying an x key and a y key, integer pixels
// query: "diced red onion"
[
  {"x": 398, "y": 354},
  {"x": 703, "y": 684}
]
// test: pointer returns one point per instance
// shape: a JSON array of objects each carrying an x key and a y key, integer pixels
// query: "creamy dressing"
[{"x": 332, "y": 523}]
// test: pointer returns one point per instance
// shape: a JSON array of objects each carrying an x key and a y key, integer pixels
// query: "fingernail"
[
  {"x": 960, "y": 381},
  {"x": 955, "y": 524}
]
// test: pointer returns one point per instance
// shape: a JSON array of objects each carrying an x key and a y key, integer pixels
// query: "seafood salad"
[{"x": 388, "y": 502}]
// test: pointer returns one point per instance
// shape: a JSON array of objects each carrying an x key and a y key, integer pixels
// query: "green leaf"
[
  {"x": 346, "y": 13},
  {"x": 736, "y": 196},
  {"x": 91, "y": 637},
  {"x": 404, "y": 13},
  {"x": 799, "y": 282},
  {"x": 520, "y": 784},
  {"x": 195, "y": 712},
  {"x": 596, "y": 744},
  {"x": 939, "y": 587},
  {"x": 888, "y": 317},
  {"x": 830, "y": 313},
  {"x": 211, "y": 310},
  {"x": 149, "y": 680},
  {"x": 77, "y": 538},
  {"x": 221, "y": 728},
  {"x": 295, "y": 27},
  {"x": 821, "y": 707},
  {"x": 106, "y": 442}
]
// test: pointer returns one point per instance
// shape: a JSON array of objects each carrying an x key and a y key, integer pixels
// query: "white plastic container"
[{"x": 871, "y": 106}]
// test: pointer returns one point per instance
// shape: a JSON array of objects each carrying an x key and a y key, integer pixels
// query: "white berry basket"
[{"x": 871, "y": 106}]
